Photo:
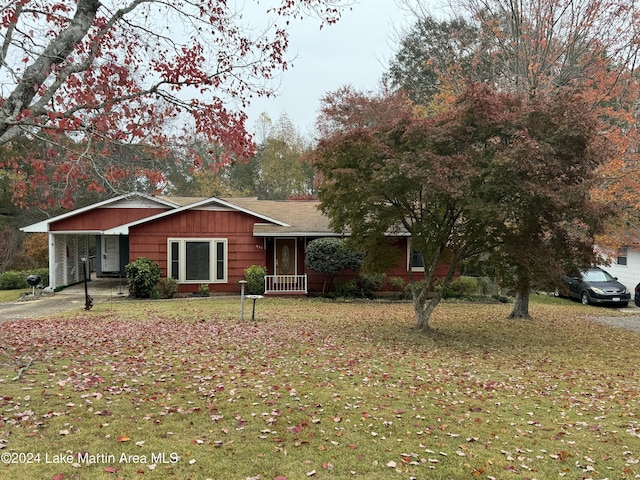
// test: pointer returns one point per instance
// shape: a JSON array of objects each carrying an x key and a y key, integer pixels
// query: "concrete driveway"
[
  {"x": 69, "y": 299},
  {"x": 630, "y": 321}
]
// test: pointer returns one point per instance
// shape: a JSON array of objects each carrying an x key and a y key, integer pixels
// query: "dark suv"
[{"x": 597, "y": 286}]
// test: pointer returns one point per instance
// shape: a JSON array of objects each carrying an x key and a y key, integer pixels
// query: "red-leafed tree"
[
  {"x": 85, "y": 77},
  {"x": 497, "y": 172},
  {"x": 540, "y": 49}
]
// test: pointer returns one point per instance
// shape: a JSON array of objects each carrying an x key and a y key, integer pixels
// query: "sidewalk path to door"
[{"x": 67, "y": 300}]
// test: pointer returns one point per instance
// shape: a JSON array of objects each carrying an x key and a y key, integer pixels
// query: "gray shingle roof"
[{"x": 301, "y": 216}]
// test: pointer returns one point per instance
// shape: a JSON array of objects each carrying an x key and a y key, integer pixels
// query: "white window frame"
[{"x": 213, "y": 259}]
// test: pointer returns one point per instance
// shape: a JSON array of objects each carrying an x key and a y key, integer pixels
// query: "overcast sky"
[{"x": 355, "y": 51}]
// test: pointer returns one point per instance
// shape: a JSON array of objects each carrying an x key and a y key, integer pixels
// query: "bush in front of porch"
[
  {"x": 331, "y": 256},
  {"x": 254, "y": 275}
]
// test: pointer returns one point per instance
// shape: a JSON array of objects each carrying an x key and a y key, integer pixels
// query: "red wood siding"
[
  {"x": 316, "y": 281},
  {"x": 103, "y": 218},
  {"x": 150, "y": 240}
]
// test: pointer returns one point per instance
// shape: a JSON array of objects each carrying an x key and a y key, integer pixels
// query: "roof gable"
[
  {"x": 204, "y": 204},
  {"x": 274, "y": 217},
  {"x": 130, "y": 200}
]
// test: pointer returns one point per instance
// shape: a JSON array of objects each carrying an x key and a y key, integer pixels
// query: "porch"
[{"x": 286, "y": 284}]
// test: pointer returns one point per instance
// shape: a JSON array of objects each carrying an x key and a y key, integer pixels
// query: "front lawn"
[
  {"x": 312, "y": 389},
  {"x": 10, "y": 295}
]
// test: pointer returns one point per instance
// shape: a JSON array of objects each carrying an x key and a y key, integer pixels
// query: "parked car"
[
  {"x": 597, "y": 286},
  {"x": 636, "y": 297}
]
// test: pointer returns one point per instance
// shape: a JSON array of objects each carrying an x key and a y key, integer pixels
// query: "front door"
[
  {"x": 111, "y": 253},
  {"x": 285, "y": 256}
]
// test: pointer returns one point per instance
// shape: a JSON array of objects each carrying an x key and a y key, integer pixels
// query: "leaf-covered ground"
[{"x": 185, "y": 390}]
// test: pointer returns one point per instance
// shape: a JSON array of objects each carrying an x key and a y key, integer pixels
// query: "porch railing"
[{"x": 285, "y": 284}]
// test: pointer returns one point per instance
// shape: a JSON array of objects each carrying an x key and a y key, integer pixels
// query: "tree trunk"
[
  {"x": 423, "y": 310},
  {"x": 521, "y": 306},
  {"x": 423, "y": 306},
  {"x": 328, "y": 282}
]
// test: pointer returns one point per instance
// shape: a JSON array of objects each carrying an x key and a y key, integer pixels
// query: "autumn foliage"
[
  {"x": 82, "y": 78},
  {"x": 494, "y": 173},
  {"x": 539, "y": 48}
]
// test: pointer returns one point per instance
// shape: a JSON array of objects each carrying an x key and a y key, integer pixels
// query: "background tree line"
[{"x": 279, "y": 169}]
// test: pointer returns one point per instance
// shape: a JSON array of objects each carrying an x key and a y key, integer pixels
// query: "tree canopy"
[
  {"x": 541, "y": 49},
  {"x": 435, "y": 60},
  {"x": 278, "y": 170},
  {"x": 85, "y": 76},
  {"x": 492, "y": 170}
]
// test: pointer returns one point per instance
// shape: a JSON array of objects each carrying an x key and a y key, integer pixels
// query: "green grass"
[
  {"x": 345, "y": 390},
  {"x": 10, "y": 295}
]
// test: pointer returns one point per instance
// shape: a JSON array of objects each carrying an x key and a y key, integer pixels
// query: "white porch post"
[
  {"x": 62, "y": 262},
  {"x": 52, "y": 261}
]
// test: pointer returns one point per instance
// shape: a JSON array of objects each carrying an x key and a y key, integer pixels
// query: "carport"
[{"x": 66, "y": 252}]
